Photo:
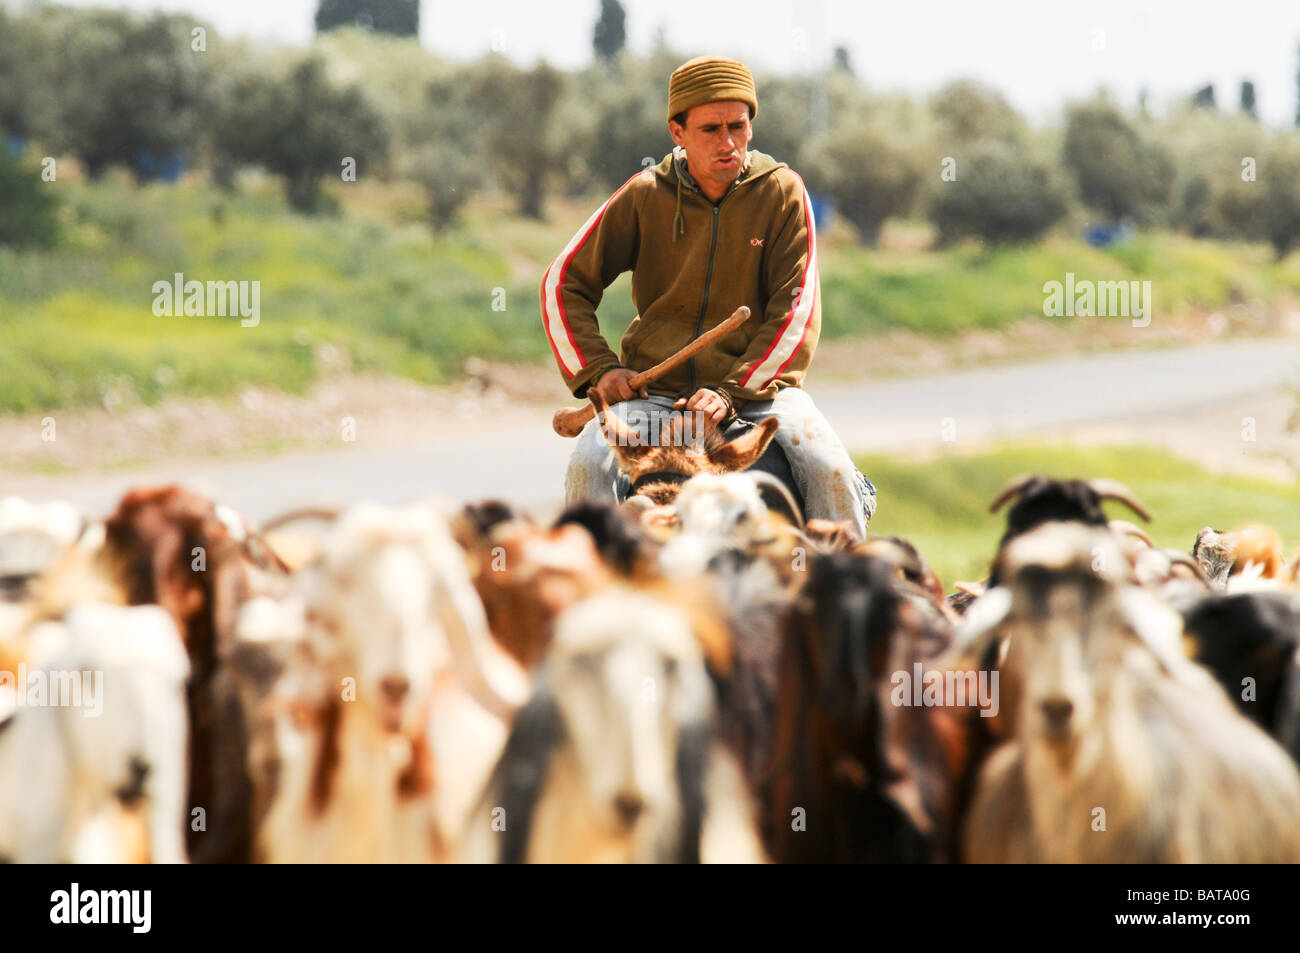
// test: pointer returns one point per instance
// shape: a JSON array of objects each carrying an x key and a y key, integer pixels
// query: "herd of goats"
[{"x": 697, "y": 675}]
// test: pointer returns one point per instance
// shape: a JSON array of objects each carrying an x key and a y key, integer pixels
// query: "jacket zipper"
[{"x": 708, "y": 278}]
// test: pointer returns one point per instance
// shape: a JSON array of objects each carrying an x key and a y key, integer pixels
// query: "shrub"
[
  {"x": 1118, "y": 172},
  {"x": 28, "y": 211},
  {"x": 870, "y": 177},
  {"x": 999, "y": 195}
]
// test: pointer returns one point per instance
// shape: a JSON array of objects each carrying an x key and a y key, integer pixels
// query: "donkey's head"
[{"x": 676, "y": 446}]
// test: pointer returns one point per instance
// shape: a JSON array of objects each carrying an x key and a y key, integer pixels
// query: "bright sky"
[{"x": 1038, "y": 52}]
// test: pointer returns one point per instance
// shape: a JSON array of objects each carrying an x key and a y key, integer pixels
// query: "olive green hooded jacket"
[{"x": 693, "y": 263}]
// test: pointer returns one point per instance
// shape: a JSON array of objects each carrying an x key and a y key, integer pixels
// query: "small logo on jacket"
[{"x": 757, "y": 242}]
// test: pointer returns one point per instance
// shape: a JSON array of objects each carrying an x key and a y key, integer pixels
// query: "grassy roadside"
[
  {"x": 372, "y": 290},
  {"x": 941, "y": 504}
]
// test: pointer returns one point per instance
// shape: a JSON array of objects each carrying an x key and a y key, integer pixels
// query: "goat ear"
[
  {"x": 537, "y": 732},
  {"x": 1157, "y": 627},
  {"x": 977, "y": 629},
  {"x": 744, "y": 451},
  {"x": 777, "y": 498},
  {"x": 692, "y": 768}
]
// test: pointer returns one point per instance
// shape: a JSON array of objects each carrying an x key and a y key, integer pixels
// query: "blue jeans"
[{"x": 830, "y": 483}]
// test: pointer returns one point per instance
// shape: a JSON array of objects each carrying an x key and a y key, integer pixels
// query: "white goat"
[
  {"x": 383, "y": 738},
  {"x": 103, "y": 781},
  {"x": 615, "y": 758},
  {"x": 32, "y": 537},
  {"x": 1125, "y": 750},
  {"x": 720, "y": 512}
]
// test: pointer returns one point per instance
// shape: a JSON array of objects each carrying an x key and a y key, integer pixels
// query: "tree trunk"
[
  {"x": 530, "y": 201},
  {"x": 303, "y": 190}
]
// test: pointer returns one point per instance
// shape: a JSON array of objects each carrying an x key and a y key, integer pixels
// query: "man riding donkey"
[{"x": 712, "y": 228}]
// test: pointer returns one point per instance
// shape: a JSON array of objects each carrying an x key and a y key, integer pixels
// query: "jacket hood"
[
  {"x": 674, "y": 171},
  {"x": 757, "y": 165}
]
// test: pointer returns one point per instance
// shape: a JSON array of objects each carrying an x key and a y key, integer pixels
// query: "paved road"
[{"x": 522, "y": 460}]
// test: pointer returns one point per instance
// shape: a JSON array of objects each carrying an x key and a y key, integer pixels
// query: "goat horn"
[
  {"x": 467, "y": 632},
  {"x": 1109, "y": 489},
  {"x": 1011, "y": 488},
  {"x": 1125, "y": 528},
  {"x": 1181, "y": 558},
  {"x": 766, "y": 481},
  {"x": 295, "y": 516}
]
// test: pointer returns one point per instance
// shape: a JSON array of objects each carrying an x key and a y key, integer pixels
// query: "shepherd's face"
[{"x": 716, "y": 139}]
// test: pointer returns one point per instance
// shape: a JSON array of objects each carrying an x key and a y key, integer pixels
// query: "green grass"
[
  {"x": 373, "y": 284},
  {"x": 78, "y": 325},
  {"x": 942, "y": 292},
  {"x": 941, "y": 504}
]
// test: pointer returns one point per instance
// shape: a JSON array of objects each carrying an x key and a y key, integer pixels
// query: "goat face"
[
  {"x": 371, "y": 610},
  {"x": 628, "y": 679},
  {"x": 1226, "y": 555},
  {"x": 715, "y": 512},
  {"x": 722, "y": 505},
  {"x": 1052, "y": 618},
  {"x": 1068, "y": 602},
  {"x": 528, "y": 576}
]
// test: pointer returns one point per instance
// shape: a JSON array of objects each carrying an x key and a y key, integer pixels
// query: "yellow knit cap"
[{"x": 710, "y": 79}]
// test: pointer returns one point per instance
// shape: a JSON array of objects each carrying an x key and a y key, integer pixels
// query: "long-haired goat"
[
  {"x": 392, "y": 713},
  {"x": 723, "y": 512},
  {"x": 1250, "y": 641},
  {"x": 200, "y": 562},
  {"x": 615, "y": 757},
  {"x": 856, "y": 777},
  {"x": 97, "y": 777},
  {"x": 1125, "y": 751}
]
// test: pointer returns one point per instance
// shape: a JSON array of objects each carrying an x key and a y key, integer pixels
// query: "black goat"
[
  {"x": 876, "y": 780},
  {"x": 1253, "y": 635}
]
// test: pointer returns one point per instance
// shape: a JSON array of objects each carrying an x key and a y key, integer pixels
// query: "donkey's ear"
[
  {"x": 617, "y": 432},
  {"x": 629, "y": 446},
  {"x": 743, "y": 452}
]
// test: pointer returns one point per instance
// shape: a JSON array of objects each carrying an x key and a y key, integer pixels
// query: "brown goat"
[
  {"x": 875, "y": 780},
  {"x": 526, "y": 576},
  {"x": 1225, "y": 555},
  {"x": 174, "y": 548}
]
